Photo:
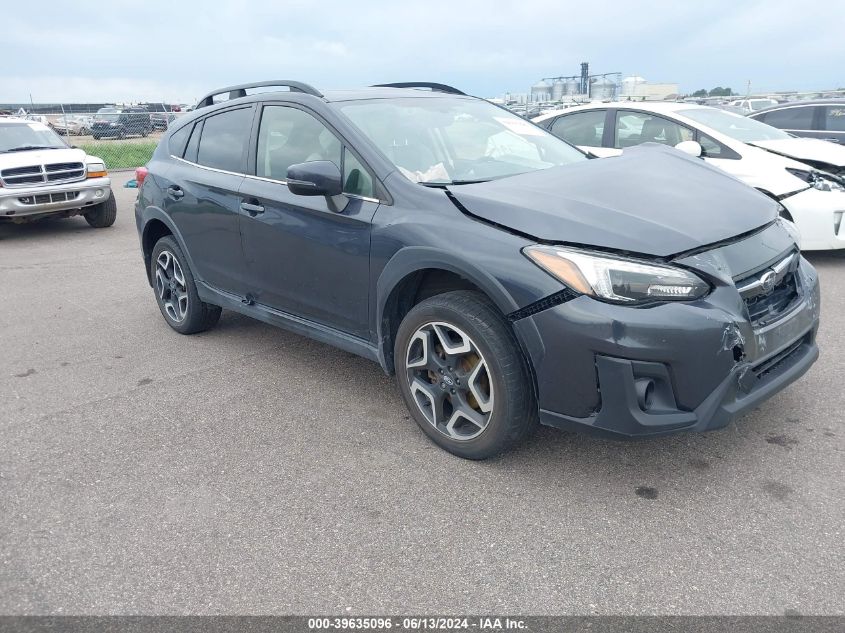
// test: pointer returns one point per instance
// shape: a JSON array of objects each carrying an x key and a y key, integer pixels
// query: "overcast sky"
[{"x": 175, "y": 50}]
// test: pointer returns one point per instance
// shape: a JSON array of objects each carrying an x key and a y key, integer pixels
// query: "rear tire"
[
  {"x": 176, "y": 291},
  {"x": 104, "y": 214},
  {"x": 463, "y": 375}
]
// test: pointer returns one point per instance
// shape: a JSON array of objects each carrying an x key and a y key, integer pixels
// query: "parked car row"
[
  {"x": 501, "y": 274},
  {"x": 805, "y": 176}
]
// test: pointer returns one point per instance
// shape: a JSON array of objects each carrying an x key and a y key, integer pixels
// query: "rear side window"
[
  {"x": 790, "y": 118},
  {"x": 178, "y": 141},
  {"x": 580, "y": 128},
  {"x": 224, "y": 140},
  {"x": 834, "y": 118}
]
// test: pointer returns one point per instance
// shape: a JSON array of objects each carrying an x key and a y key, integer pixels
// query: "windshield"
[
  {"x": 30, "y": 135},
  {"x": 736, "y": 126},
  {"x": 108, "y": 114},
  {"x": 456, "y": 140}
]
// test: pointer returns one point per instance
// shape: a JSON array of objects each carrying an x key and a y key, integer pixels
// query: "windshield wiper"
[
  {"x": 449, "y": 183},
  {"x": 26, "y": 148}
]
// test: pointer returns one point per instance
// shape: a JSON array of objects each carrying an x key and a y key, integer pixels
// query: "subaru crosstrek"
[{"x": 502, "y": 275}]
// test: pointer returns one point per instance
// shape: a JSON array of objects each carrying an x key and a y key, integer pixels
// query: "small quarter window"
[
  {"x": 178, "y": 141},
  {"x": 356, "y": 179}
]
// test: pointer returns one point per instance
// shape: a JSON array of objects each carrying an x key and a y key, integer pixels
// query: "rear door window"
[
  {"x": 224, "y": 139},
  {"x": 834, "y": 118},
  {"x": 580, "y": 128}
]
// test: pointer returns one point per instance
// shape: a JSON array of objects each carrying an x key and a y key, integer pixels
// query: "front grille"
[
  {"x": 17, "y": 176},
  {"x": 59, "y": 172},
  {"x": 770, "y": 293},
  {"x": 766, "y": 308},
  {"x": 37, "y": 174},
  {"x": 48, "y": 198}
]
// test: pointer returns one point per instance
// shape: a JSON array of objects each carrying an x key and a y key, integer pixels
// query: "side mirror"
[
  {"x": 315, "y": 178},
  {"x": 693, "y": 148}
]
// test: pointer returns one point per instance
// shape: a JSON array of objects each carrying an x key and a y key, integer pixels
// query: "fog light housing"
[{"x": 98, "y": 193}]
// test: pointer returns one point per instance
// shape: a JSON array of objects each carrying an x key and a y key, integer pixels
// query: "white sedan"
[{"x": 807, "y": 176}]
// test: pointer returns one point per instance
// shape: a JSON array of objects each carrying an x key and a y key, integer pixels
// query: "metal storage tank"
[
  {"x": 541, "y": 91},
  {"x": 630, "y": 85},
  {"x": 602, "y": 89},
  {"x": 571, "y": 87},
  {"x": 558, "y": 89}
]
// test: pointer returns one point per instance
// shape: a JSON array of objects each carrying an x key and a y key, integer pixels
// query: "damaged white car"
[
  {"x": 807, "y": 176},
  {"x": 41, "y": 176}
]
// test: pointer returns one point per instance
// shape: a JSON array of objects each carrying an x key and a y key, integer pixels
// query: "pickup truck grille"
[
  {"x": 770, "y": 293},
  {"x": 38, "y": 174}
]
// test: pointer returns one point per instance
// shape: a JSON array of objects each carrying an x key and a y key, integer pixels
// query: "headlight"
[
  {"x": 96, "y": 170},
  {"x": 818, "y": 180},
  {"x": 615, "y": 279}
]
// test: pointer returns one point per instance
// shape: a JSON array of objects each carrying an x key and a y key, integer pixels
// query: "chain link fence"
[{"x": 123, "y": 135}]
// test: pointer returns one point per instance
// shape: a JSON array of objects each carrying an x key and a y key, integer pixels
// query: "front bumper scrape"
[{"x": 621, "y": 382}]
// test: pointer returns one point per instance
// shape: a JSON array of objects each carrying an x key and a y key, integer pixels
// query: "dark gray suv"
[{"x": 502, "y": 275}]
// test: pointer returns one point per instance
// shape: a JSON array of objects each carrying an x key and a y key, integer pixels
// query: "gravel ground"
[{"x": 248, "y": 470}]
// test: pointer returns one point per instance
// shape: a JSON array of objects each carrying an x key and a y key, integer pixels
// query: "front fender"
[{"x": 415, "y": 259}]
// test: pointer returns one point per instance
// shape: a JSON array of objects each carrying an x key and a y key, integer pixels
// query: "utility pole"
[{"x": 748, "y": 88}]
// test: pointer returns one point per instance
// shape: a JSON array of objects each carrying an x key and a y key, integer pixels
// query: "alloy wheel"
[
  {"x": 449, "y": 380},
  {"x": 170, "y": 285}
]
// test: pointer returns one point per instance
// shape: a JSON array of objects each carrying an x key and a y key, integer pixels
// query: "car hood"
[
  {"x": 652, "y": 200},
  {"x": 806, "y": 149},
  {"x": 41, "y": 157}
]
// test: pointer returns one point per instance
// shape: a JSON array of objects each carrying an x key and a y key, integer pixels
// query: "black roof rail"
[
  {"x": 240, "y": 90},
  {"x": 422, "y": 84}
]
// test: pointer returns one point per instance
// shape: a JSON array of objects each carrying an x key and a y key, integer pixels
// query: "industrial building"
[{"x": 598, "y": 87}]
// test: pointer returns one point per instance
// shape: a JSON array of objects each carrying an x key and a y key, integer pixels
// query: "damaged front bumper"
[{"x": 682, "y": 366}]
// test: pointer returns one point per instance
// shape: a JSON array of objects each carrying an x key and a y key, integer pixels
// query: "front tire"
[
  {"x": 176, "y": 292},
  {"x": 104, "y": 214},
  {"x": 463, "y": 376}
]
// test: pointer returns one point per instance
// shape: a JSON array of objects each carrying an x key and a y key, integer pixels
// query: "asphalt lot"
[{"x": 249, "y": 470}]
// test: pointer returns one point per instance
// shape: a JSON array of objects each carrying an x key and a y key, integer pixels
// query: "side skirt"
[{"x": 290, "y": 322}]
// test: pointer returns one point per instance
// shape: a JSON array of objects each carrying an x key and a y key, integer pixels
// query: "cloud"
[{"x": 176, "y": 51}]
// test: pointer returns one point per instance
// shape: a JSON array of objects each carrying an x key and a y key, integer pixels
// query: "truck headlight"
[
  {"x": 818, "y": 180},
  {"x": 617, "y": 279},
  {"x": 97, "y": 170}
]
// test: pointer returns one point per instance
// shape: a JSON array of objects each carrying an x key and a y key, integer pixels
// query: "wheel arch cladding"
[
  {"x": 400, "y": 288},
  {"x": 154, "y": 230}
]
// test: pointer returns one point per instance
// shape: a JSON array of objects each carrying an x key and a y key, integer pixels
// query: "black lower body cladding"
[{"x": 679, "y": 366}]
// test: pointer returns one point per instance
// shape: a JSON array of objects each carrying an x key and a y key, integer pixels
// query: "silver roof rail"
[{"x": 238, "y": 91}]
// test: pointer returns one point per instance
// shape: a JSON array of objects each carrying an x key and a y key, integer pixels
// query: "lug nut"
[
  {"x": 442, "y": 385},
  {"x": 453, "y": 391}
]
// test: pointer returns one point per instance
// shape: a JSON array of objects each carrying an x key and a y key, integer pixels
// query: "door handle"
[
  {"x": 252, "y": 209},
  {"x": 175, "y": 192}
]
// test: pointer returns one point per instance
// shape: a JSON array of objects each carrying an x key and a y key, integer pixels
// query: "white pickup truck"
[{"x": 40, "y": 176}]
